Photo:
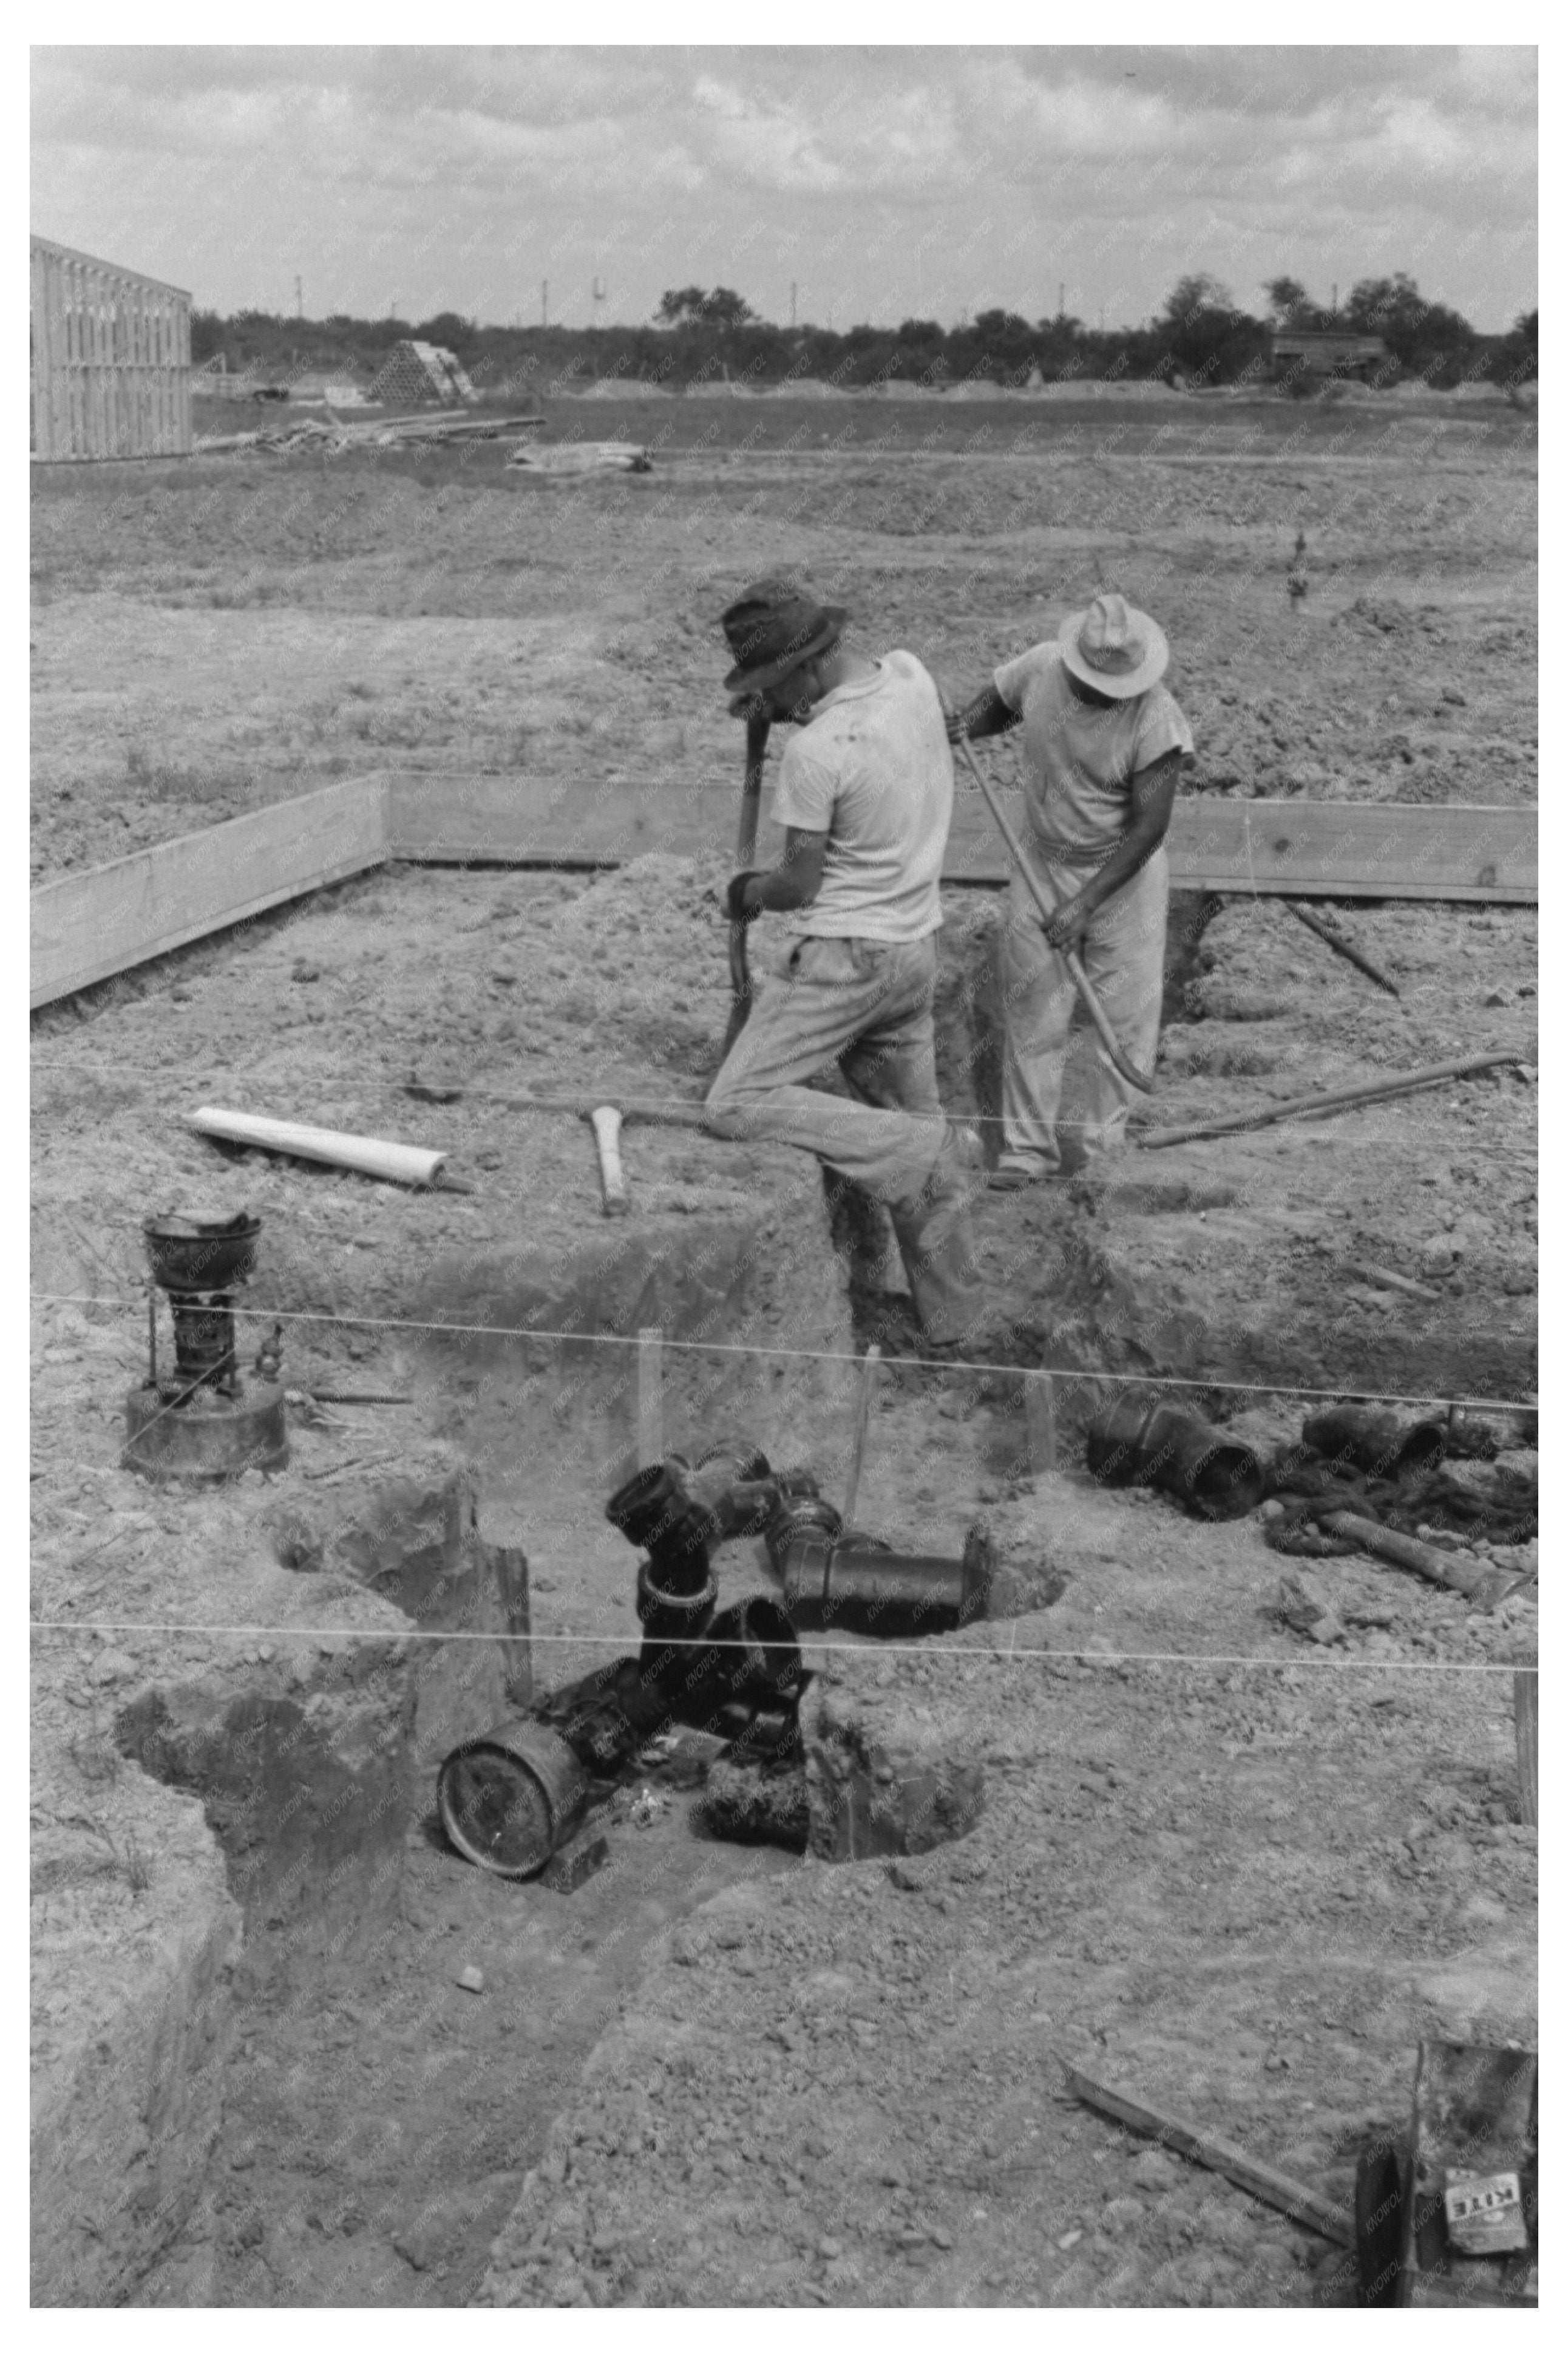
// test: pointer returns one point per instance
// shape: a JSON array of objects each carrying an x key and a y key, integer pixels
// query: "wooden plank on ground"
[
  {"x": 1279, "y": 2189},
  {"x": 87, "y": 926},
  {"x": 1334, "y": 849}
]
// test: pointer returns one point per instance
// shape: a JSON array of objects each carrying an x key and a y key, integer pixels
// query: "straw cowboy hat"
[
  {"x": 772, "y": 628},
  {"x": 1114, "y": 648}
]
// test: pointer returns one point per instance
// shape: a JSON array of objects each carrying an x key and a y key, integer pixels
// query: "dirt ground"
[
  {"x": 211, "y": 636},
  {"x": 720, "y": 2074}
]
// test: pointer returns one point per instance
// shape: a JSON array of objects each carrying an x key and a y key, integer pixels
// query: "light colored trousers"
[
  {"x": 1124, "y": 957},
  {"x": 864, "y": 1005}
]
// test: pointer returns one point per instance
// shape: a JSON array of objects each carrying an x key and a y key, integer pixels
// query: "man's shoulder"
[
  {"x": 1160, "y": 708},
  {"x": 1037, "y": 665}
]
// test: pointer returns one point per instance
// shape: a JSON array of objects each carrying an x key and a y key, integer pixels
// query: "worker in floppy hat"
[
  {"x": 1103, "y": 745},
  {"x": 865, "y": 797}
]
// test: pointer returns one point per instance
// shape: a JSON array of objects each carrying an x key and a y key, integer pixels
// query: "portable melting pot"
[{"x": 202, "y": 1421}]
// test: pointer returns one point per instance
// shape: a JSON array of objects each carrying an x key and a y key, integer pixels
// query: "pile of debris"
[
  {"x": 583, "y": 458},
  {"x": 419, "y": 371},
  {"x": 383, "y": 433},
  {"x": 1416, "y": 1496}
]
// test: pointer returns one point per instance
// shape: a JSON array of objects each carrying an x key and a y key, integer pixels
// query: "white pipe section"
[
  {"x": 608, "y": 1130},
  {"x": 401, "y": 1163}
]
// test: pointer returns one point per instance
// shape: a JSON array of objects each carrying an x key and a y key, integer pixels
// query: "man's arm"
[
  {"x": 793, "y": 882},
  {"x": 1153, "y": 797},
  {"x": 986, "y": 715}
]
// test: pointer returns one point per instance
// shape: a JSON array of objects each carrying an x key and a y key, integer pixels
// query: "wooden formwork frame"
[
  {"x": 85, "y": 927},
  {"x": 112, "y": 360}
]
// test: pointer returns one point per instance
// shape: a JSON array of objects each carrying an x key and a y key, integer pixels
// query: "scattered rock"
[
  {"x": 1303, "y": 1605},
  {"x": 295, "y": 1544}
]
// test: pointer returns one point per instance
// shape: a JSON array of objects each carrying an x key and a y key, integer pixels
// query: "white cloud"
[{"x": 1112, "y": 167}]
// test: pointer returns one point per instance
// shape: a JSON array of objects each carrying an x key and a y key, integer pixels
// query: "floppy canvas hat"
[
  {"x": 1114, "y": 648},
  {"x": 772, "y": 629}
]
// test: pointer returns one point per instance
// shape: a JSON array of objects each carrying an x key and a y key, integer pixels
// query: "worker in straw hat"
[
  {"x": 1103, "y": 745},
  {"x": 865, "y": 797}
]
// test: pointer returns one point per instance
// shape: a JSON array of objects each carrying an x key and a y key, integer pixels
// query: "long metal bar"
[{"x": 1306, "y": 1106}]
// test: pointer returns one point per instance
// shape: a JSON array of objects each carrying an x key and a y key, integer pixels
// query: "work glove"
[{"x": 734, "y": 897}]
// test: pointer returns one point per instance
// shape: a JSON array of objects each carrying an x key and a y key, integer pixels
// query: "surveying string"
[
  {"x": 962, "y": 1365},
  {"x": 830, "y": 1649}
]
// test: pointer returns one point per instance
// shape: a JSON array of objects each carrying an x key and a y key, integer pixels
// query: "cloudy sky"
[{"x": 884, "y": 182}]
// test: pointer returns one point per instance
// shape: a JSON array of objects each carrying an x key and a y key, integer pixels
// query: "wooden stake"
[
  {"x": 650, "y": 1397},
  {"x": 1526, "y": 1717},
  {"x": 1040, "y": 1420},
  {"x": 511, "y": 1564},
  {"x": 1341, "y": 946},
  {"x": 869, "y": 1365},
  {"x": 1263, "y": 2181}
]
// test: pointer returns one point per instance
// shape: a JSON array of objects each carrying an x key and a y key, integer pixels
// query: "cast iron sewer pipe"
[{"x": 1139, "y": 1441}]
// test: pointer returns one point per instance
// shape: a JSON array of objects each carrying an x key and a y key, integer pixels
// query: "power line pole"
[
  {"x": 1062, "y": 300},
  {"x": 298, "y": 300},
  {"x": 792, "y": 295},
  {"x": 544, "y": 302}
]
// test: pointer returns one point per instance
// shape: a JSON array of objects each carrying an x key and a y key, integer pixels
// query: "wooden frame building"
[{"x": 111, "y": 359}]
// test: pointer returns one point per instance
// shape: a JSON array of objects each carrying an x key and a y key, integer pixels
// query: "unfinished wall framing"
[{"x": 110, "y": 360}]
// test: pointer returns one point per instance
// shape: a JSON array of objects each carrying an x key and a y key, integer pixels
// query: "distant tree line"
[{"x": 1200, "y": 336}]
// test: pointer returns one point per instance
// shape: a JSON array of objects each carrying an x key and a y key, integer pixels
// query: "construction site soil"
[{"x": 1239, "y": 1870}]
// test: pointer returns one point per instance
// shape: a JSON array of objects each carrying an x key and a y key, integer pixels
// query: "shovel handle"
[
  {"x": 751, "y": 805},
  {"x": 752, "y": 790},
  {"x": 1037, "y": 890}
]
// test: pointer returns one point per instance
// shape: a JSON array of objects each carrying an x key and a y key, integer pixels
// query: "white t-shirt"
[
  {"x": 873, "y": 769},
  {"x": 1079, "y": 760}
]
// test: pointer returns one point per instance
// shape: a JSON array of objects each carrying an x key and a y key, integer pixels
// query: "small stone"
[
  {"x": 1069, "y": 2239},
  {"x": 472, "y": 1979},
  {"x": 828, "y": 2249},
  {"x": 113, "y": 1667}
]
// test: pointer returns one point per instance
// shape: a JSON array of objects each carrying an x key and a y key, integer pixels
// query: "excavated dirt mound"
[{"x": 843, "y": 2085}]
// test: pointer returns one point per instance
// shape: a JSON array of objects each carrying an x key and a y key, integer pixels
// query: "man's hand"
[
  {"x": 986, "y": 715},
  {"x": 1068, "y": 927},
  {"x": 735, "y": 897}
]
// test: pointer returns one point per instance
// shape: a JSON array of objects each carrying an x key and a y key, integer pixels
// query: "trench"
[{"x": 377, "y": 2117}]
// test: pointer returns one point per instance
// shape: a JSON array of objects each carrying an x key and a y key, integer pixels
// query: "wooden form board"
[
  {"x": 111, "y": 359},
  {"x": 1302, "y": 849},
  {"x": 88, "y": 927}
]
